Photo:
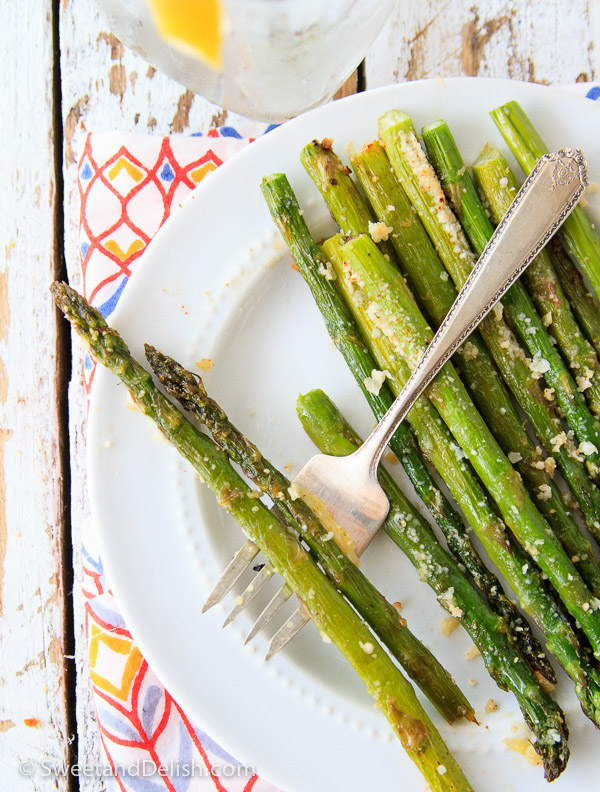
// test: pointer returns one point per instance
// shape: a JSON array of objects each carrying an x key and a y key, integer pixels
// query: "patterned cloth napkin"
[{"x": 128, "y": 186}]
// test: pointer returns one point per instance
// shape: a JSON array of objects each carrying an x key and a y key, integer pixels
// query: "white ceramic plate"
[{"x": 215, "y": 283}]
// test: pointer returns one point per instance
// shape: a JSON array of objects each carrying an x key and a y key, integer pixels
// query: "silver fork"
[{"x": 345, "y": 490}]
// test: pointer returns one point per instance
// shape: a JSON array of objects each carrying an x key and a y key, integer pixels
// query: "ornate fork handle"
[{"x": 548, "y": 194}]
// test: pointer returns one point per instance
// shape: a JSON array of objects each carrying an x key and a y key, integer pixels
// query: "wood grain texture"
[
  {"x": 106, "y": 87},
  {"x": 537, "y": 41},
  {"x": 33, "y": 717}
]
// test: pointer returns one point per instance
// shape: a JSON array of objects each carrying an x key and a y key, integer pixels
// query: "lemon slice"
[{"x": 194, "y": 26}]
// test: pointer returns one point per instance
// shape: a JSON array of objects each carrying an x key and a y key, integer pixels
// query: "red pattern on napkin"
[{"x": 128, "y": 186}]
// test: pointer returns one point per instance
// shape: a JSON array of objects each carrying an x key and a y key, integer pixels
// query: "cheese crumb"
[
  {"x": 525, "y": 748},
  {"x": 379, "y": 232},
  {"x": 367, "y": 647},
  {"x": 544, "y": 492},
  {"x": 448, "y": 625},
  {"x": 539, "y": 366},
  {"x": 491, "y": 706},
  {"x": 583, "y": 383},
  {"x": 375, "y": 381},
  {"x": 293, "y": 492},
  {"x": 514, "y": 456},
  {"x": 469, "y": 350},
  {"x": 205, "y": 364},
  {"x": 472, "y": 653},
  {"x": 547, "y": 319},
  {"x": 587, "y": 448},
  {"x": 549, "y": 394},
  {"x": 441, "y": 770},
  {"x": 447, "y": 599},
  {"x": 327, "y": 271},
  {"x": 503, "y": 183}
]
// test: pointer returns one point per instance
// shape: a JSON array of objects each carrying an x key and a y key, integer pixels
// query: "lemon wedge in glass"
[{"x": 194, "y": 26}]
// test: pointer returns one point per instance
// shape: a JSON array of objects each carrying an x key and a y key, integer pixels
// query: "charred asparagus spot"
[
  {"x": 420, "y": 261},
  {"x": 490, "y": 633},
  {"x": 329, "y": 610},
  {"x": 188, "y": 388},
  {"x": 578, "y": 234}
]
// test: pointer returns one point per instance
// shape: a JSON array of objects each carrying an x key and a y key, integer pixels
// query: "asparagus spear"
[
  {"x": 392, "y": 693},
  {"x": 407, "y": 528},
  {"x": 337, "y": 187},
  {"x": 425, "y": 271},
  {"x": 420, "y": 181},
  {"x": 519, "y": 307},
  {"x": 391, "y": 307},
  {"x": 577, "y": 232},
  {"x": 434, "y": 438},
  {"x": 498, "y": 186},
  {"x": 320, "y": 160},
  {"x": 584, "y": 304},
  {"x": 383, "y": 618}
]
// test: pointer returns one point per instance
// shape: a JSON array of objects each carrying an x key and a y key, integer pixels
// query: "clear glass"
[{"x": 281, "y": 57}]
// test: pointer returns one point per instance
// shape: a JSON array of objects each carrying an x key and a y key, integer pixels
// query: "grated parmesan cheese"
[
  {"x": 469, "y": 351},
  {"x": 514, "y": 456},
  {"x": 587, "y": 448},
  {"x": 327, "y": 271},
  {"x": 544, "y": 492},
  {"x": 525, "y": 748},
  {"x": 538, "y": 366},
  {"x": 472, "y": 653},
  {"x": 448, "y": 625},
  {"x": 375, "y": 381},
  {"x": 448, "y": 601},
  {"x": 379, "y": 232},
  {"x": 293, "y": 492}
]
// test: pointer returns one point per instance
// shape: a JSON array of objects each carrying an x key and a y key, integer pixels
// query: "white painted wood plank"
[
  {"x": 106, "y": 87},
  {"x": 31, "y": 597},
  {"x": 540, "y": 41}
]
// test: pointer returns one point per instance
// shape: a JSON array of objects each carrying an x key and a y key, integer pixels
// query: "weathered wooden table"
[{"x": 64, "y": 73}]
